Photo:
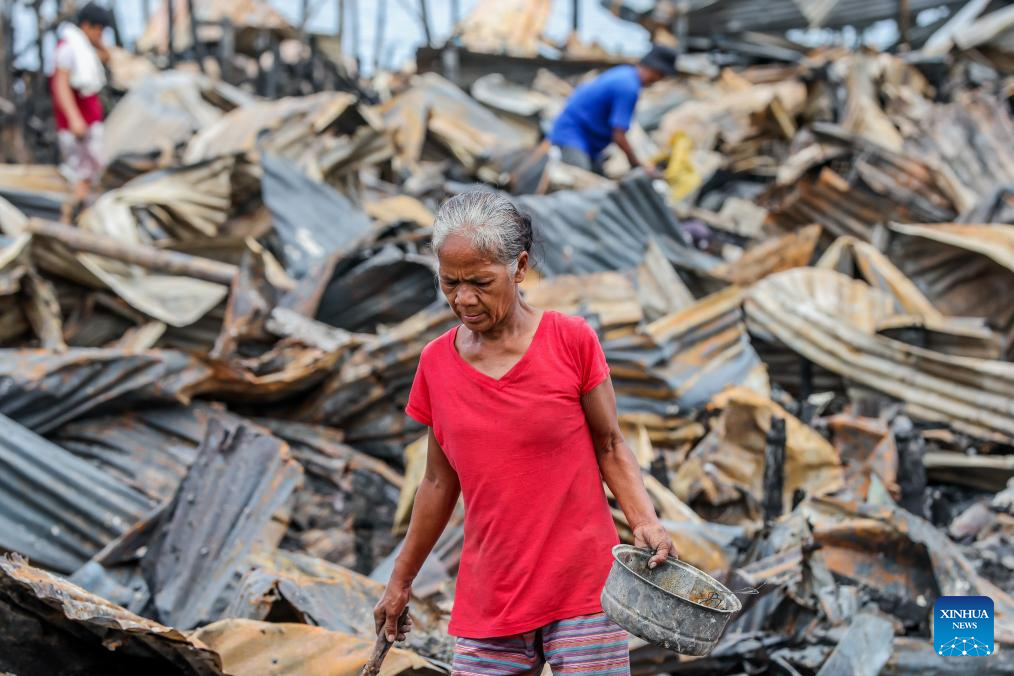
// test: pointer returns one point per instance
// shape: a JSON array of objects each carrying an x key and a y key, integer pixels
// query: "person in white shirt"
[{"x": 77, "y": 78}]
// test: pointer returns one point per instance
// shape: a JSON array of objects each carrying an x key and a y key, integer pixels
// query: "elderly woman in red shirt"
[{"x": 522, "y": 424}]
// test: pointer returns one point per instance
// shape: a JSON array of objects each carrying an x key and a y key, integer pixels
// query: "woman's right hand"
[{"x": 389, "y": 609}]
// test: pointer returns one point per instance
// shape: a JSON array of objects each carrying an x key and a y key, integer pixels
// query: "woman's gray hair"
[{"x": 490, "y": 220}]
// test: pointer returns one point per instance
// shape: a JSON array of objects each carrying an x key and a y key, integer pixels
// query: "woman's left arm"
[{"x": 622, "y": 473}]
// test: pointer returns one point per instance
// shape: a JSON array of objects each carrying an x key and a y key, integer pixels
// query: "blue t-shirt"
[{"x": 595, "y": 109}]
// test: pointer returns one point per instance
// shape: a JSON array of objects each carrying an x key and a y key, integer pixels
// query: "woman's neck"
[{"x": 516, "y": 323}]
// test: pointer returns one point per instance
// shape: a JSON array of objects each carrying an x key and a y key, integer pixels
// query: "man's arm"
[
  {"x": 620, "y": 139},
  {"x": 68, "y": 104}
]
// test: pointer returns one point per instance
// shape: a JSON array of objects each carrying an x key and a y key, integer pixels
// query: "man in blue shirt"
[{"x": 599, "y": 112}]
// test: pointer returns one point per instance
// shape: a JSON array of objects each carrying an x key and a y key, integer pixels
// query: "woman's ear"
[{"x": 522, "y": 271}]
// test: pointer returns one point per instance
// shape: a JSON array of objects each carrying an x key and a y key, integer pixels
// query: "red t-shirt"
[
  {"x": 538, "y": 530},
  {"x": 90, "y": 106}
]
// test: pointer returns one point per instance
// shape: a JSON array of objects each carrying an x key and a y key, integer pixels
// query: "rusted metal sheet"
[
  {"x": 722, "y": 478},
  {"x": 345, "y": 512},
  {"x": 678, "y": 362},
  {"x": 803, "y": 309},
  {"x": 367, "y": 395},
  {"x": 866, "y": 448},
  {"x": 250, "y": 18},
  {"x": 51, "y": 626},
  {"x": 312, "y": 591},
  {"x": 435, "y": 114},
  {"x": 512, "y": 26},
  {"x": 607, "y": 229},
  {"x": 259, "y": 357},
  {"x": 327, "y": 134},
  {"x": 918, "y": 321},
  {"x": 36, "y": 190},
  {"x": 149, "y": 449},
  {"x": 793, "y": 250},
  {"x": 882, "y": 186},
  {"x": 304, "y": 212},
  {"x": 966, "y": 140},
  {"x": 165, "y": 109},
  {"x": 854, "y": 536},
  {"x": 286, "y": 649},
  {"x": 43, "y": 390},
  {"x": 609, "y": 298},
  {"x": 240, "y": 476},
  {"x": 738, "y": 16},
  {"x": 965, "y": 270},
  {"x": 55, "y": 508}
]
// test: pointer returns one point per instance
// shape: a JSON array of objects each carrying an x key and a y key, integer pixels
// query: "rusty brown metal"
[
  {"x": 803, "y": 309},
  {"x": 49, "y": 623}
]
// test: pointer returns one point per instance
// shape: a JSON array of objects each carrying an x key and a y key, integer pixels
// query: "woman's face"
[{"x": 481, "y": 291}]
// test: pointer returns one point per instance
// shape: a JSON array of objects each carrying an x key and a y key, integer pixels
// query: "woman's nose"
[{"x": 465, "y": 296}]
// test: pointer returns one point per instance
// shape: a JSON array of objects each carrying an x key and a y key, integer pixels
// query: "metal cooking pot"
[{"x": 675, "y": 605}]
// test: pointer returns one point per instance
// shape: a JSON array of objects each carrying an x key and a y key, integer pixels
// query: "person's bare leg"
[{"x": 82, "y": 191}]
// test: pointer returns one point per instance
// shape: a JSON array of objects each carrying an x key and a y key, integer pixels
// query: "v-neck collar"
[{"x": 513, "y": 372}]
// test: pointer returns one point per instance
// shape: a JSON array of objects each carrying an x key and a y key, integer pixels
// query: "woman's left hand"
[{"x": 654, "y": 537}]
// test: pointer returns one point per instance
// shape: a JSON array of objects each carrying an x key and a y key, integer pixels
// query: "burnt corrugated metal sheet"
[
  {"x": 346, "y": 493},
  {"x": 311, "y": 219},
  {"x": 880, "y": 186},
  {"x": 42, "y": 389},
  {"x": 367, "y": 395},
  {"x": 365, "y": 286},
  {"x": 802, "y": 308},
  {"x": 861, "y": 533},
  {"x": 36, "y": 190},
  {"x": 433, "y": 117},
  {"x": 241, "y": 477},
  {"x": 384, "y": 287},
  {"x": 55, "y": 508},
  {"x": 606, "y": 229},
  {"x": 51, "y": 626},
  {"x": 250, "y": 647},
  {"x": 149, "y": 449},
  {"x": 964, "y": 270},
  {"x": 329, "y": 596},
  {"x": 969, "y": 140},
  {"x": 717, "y": 17},
  {"x": 683, "y": 359}
]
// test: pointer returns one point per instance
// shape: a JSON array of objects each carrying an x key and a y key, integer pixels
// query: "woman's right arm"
[{"x": 434, "y": 503}]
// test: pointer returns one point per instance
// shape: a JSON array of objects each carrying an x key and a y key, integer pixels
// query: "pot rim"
[{"x": 682, "y": 564}]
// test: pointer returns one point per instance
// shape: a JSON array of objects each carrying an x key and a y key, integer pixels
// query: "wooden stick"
[
  {"x": 381, "y": 648},
  {"x": 148, "y": 257}
]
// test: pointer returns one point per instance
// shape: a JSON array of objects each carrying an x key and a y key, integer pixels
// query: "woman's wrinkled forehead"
[{"x": 460, "y": 252}]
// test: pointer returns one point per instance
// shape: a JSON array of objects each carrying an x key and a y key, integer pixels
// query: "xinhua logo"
[{"x": 963, "y": 626}]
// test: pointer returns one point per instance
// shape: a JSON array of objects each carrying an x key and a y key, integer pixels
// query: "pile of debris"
[{"x": 206, "y": 466}]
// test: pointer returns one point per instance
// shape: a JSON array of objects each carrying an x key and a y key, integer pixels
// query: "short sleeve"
[
  {"x": 594, "y": 368},
  {"x": 63, "y": 57},
  {"x": 418, "y": 407},
  {"x": 622, "y": 112}
]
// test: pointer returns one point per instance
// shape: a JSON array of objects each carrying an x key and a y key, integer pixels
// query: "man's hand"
[
  {"x": 654, "y": 537},
  {"x": 388, "y": 611},
  {"x": 651, "y": 170}
]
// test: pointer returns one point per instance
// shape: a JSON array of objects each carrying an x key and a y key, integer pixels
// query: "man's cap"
[
  {"x": 661, "y": 58},
  {"x": 95, "y": 14}
]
